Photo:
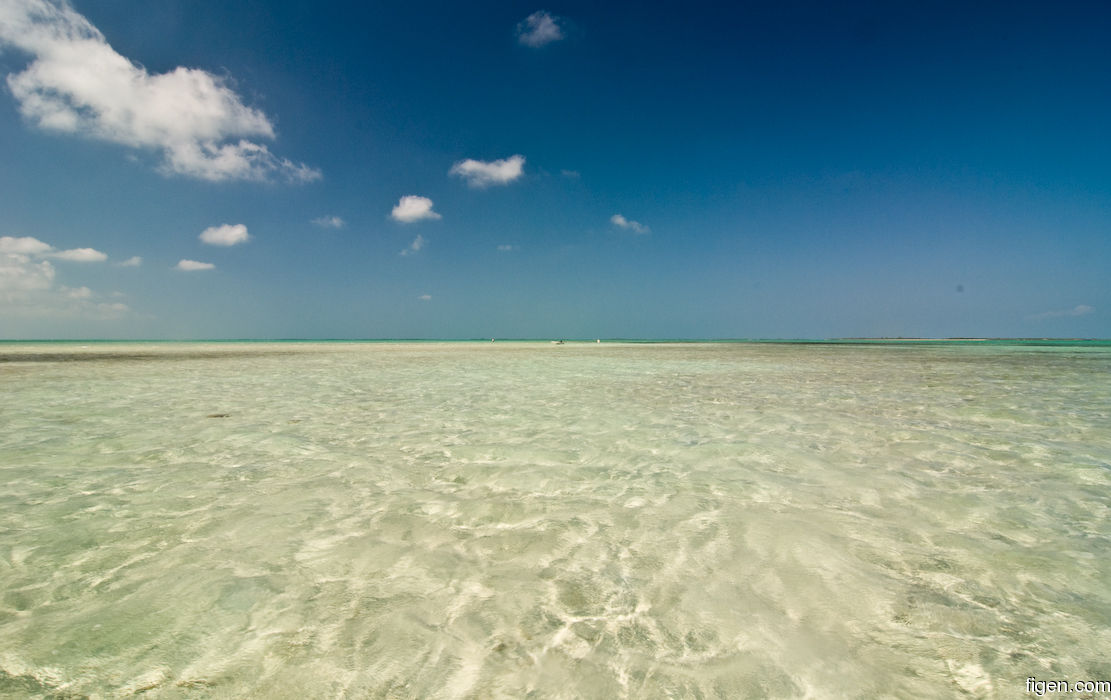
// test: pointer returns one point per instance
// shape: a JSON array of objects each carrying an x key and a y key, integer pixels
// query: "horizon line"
[{"x": 839, "y": 339}]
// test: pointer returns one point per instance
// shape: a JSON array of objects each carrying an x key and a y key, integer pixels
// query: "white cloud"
[
  {"x": 25, "y": 245},
  {"x": 539, "y": 28},
  {"x": 77, "y": 83},
  {"x": 479, "y": 173},
  {"x": 20, "y": 274},
  {"x": 570, "y": 174},
  {"x": 78, "y": 293},
  {"x": 628, "y": 224},
  {"x": 234, "y": 161},
  {"x": 27, "y": 283},
  {"x": 505, "y": 247},
  {"x": 80, "y": 255},
  {"x": 329, "y": 222},
  {"x": 411, "y": 208},
  {"x": 225, "y": 235},
  {"x": 1079, "y": 310},
  {"x": 425, "y": 297},
  {"x": 112, "y": 309},
  {"x": 133, "y": 261},
  {"x": 192, "y": 265},
  {"x": 414, "y": 247}
]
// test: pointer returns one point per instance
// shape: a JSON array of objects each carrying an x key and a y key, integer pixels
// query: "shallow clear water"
[{"x": 601, "y": 521}]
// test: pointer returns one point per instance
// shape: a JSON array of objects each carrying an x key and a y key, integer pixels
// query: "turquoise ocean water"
[{"x": 456, "y": 520}]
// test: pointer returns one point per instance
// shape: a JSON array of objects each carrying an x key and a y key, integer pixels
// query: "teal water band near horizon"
[{"x": 1076, "y": 342}]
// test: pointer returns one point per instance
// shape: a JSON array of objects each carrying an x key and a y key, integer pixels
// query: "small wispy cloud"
[
  {"x": 1078, "y": 310},
  {"x": 628, "y": 224},
  {"x": 507, "y": 247},
  {"x": 425, "y": 297},
  {"x": 80, "y": 255},
  {"x": 329, "y": 222},
  {"x": 78, "y": 293},
  {"x": 412, "y": 208},
  {"x": 78, "y": 84},
  {"x": 193, "y": 265},
  {"x": 479, "y": 173},
  {"x": 133, "y": 261},
  {"x": 571, "y": 174},
  {"x": 225, "y": 235},
  {"x": 539, "y": 29},
  {"x": 414, "y": 247}
]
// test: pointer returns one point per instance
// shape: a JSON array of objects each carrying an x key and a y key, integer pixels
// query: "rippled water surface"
[{"x": 507, "y": 520}]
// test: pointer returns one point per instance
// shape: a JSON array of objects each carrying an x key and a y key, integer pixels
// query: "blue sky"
[{"x": 274, "y": 169}]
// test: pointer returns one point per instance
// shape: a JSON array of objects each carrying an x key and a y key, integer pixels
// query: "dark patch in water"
[
  {"x": 25, "y": 685},
  {"x": 132, "y": 356}
]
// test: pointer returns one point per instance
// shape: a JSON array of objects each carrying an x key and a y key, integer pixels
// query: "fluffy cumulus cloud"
[
  {"x": 628, "y": 224},
  {"x": 539, "y": 29},
  {"x": 225, "y": 235},
  {"x": 329, "y": 222},
  {"x": 21, "y": 274},
  {"x": 193, "y": 265},
  {"x": 414, "y": 247},
  {"x": 1078, "y": 310},
  {"x": 133, "y": 261},
  {"x": 425, "y": 297},
  {"x": 27, "y": 282},
  {"x": 77, "y": 83},
  {"x": 25, "y": 245},
  {"x": 411, "y": 208},
  {"x": 479, "y": 173}
]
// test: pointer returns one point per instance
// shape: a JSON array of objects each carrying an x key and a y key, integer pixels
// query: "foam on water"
[{"x": 495, "y": 520}]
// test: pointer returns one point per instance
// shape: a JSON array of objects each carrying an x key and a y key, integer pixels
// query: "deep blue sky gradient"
[{"x": 806, "y": 170}]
